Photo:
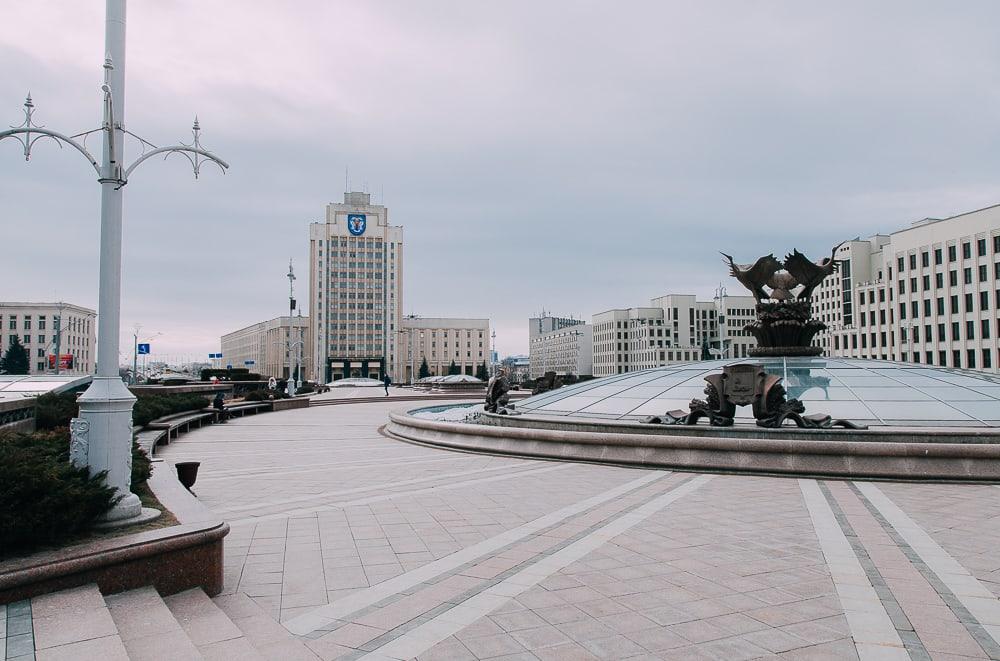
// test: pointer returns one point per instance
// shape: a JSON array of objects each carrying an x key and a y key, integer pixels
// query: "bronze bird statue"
[
  {"x": 755, "y": 276},
  {"x": 810, "y": 274}
]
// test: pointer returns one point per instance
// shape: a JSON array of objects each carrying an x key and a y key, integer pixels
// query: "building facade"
[
  {"x": 440, "y": 341},
  {"x": 38, "y": 325},
  {"x": 272, "y": 346},
  {"x": 925, "y": 294},
  {"x": 675, "y": 328},
  {"x": 568, "y": 349},
  {"x": 547, "y": 323},
  {"x": 355, "y": 289},
  {"x": 518, "y": 368}
]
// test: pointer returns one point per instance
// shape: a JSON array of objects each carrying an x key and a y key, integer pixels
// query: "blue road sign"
[
  {"x": 248, "y": 363},
  {"x": 143, "y": 349},
  {"x": 215, "y": 355},
  {"x": 229, "y": 366}
]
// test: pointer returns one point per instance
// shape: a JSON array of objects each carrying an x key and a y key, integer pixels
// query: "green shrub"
[
  {"x": 43, "y": 498},
  {"x": 151, "y": 407},
  {"x": 235, "y": 374},
  {"x": 142, "y": 468},
  {"x": 263, "y": 395},
  {"x": 55, "y": 410}
]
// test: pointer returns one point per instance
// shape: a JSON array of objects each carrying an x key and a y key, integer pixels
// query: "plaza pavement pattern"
[{"x": 366, "y": 547}]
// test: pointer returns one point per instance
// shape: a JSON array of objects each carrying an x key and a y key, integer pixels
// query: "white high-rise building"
[
  {"x": 925, "y": 294},
  {"x": 673, "y": 329},
  {"x": 355, "y": 289},
  {"x": 36, "y": 325}
]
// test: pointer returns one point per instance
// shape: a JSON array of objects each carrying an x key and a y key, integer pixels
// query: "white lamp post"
[{"x": 102, "y": 436}]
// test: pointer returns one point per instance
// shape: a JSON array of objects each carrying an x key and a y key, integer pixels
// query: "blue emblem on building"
[{"x": 356, "y": 223}]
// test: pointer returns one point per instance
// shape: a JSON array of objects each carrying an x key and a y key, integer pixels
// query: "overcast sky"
[{"x": 571, "y": 156}]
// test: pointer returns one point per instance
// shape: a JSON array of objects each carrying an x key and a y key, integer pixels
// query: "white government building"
[
  {"x": 355, "y": 289},
  {"x": 357, "y": 328},
  {"x": 36, "y": 325},
  {"x": 925, "y": 294},
  {"x": 271, "y": 345},
  {"x": 561, "y": 345}
]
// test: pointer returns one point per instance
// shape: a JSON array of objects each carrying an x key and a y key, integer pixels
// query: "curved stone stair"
[{"x": 139, "y": 625}]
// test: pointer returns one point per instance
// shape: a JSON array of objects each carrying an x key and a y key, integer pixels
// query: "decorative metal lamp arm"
[{"x": 28, "y": 133}]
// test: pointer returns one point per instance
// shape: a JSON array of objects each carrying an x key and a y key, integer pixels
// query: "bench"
[
  {"x": 178, "y": 422},
  {"x": 162, "y": 430},
  {"x": 248, "y": 408}
]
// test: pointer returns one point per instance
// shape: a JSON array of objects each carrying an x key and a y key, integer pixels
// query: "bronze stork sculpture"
[{"x": 783, "y": 291}]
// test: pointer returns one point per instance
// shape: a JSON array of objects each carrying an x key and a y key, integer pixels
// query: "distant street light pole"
[
  {"x": 102, "y": 440},
  {"x": 294, "y": 379},
  {"x": 59, "y": 330}
]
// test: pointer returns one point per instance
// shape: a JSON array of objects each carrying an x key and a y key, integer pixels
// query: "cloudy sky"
[{"x": 571, "y": 156}]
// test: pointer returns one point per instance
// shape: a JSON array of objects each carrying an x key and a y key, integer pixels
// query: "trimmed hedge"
[
  {"x": 44, "y": 500},
  {"x": 55, "y": 411},
  {"x": 235, "y": 374},
  {"x": 151, "y": 407}
]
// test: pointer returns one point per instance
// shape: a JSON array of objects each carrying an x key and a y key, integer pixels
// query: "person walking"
[{"x": 386, "y": 381}]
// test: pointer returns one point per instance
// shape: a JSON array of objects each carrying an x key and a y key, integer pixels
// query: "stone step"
[
  {"x": 148, "y": 629},
  {"x": 273, "y": 641},
  {"x": 74, "y": 624},
  {"x": 209, "y": 628}
]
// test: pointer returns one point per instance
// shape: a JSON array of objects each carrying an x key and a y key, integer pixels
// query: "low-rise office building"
[
  {"x": 675, "y": 328},
  {"x": 270, "y": 348},
  {"x": 441, "y": 341},
  {"x": 42, "y": 326},
  {"x": 568, "y": 349}
]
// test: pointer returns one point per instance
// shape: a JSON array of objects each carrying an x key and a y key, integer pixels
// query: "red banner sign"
[{"x": 65, "y": 361}]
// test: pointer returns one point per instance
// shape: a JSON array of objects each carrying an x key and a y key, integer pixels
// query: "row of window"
[
  {"x": 73, "y": 324},
  {"x": 983, "y": 273},
  {"x": 952, "y": 254}
]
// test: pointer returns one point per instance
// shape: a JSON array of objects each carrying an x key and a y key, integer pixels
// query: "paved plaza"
[{"x": 366, "y": 547}]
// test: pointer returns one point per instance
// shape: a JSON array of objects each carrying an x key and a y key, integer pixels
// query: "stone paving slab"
[{"x": 363, "y": 546}]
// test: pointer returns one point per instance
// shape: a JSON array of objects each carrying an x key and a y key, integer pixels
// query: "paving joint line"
[
  {"x": 989, "y": 646},
  {"x": 304, "y": 499},
  {"x": 911, "y": 640},
  {"x": 524, "y": 530},
  {"x": 487, "y": 600},
  {"x": 484, "y": 583}
]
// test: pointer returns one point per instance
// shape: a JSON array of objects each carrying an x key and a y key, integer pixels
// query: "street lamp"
[
  {"x": 102, "y": 436},
  {"x": 409, "y": 350},
  {"x": 296, "y": 383}
]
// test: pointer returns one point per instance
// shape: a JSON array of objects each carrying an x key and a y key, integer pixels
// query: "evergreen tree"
[
  {"x": 425, "y": 371},
  {"x": 454, "y": 369},
  {"x": 483, "y": 372},
  {"x": 706, "y": 353},
  {"x": 15, "y": 360}
]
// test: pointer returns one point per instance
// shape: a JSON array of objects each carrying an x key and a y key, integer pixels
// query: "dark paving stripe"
[
  {"x": 911, "y": 641},
  {"x": 391, "y": 635},
  {"x": 971, "y": 624}
]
